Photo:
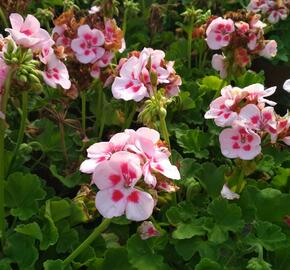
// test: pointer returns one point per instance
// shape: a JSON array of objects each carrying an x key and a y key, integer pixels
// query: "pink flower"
[
  {"x": 286, "y": 86},
  {"x": 240, "y": 143},
  {"x": 218, "y": 63},
  {"x": 130, "y": 84},
  {"x": 254, "y": 118},
  {"x": 257, "y": 93},
  {"x": 103, "y": 62},
  {"x": 277, "y": 14},
  {"x": 154, "y": 160},
  {"x": 148, "y": 230},
  {"x": 270, "y": 49},
  {"x": 56, "y": 73},
  {"x": 226, "y": 193},
  {"x": 102, "y": 151},
  {"x": 46, "y": 52},
  {"x": 252, "y": 44},
  {"x": 219, "y": 33},
  {"x": 87, "y": 45},
  {"x": 116, "y": 179},
  {"x": 61, "y": 39},
  {"x": 242, "y": 27},
  {"x": 26, "y": 32},
  {"x": 260, "y": 5}
]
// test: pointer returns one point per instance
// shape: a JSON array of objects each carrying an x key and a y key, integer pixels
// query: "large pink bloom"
[
  {"x": 87, "y": 45},
  {"x": 154, "y": 159},
  {"x": 26, "y": 32},
  {"x": 116, "y": 179},
  {"x": 219, "y": 33},
  {"x": 56, "y": 73},
  {"x": 240, "y": 143},
  {"x": 102, "y": 151}
]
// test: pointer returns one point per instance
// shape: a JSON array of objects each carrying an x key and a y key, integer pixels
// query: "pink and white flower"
[
  {"x": 270, "y": 49},
  {"x": 277, "y": 14},
  {"x": 102, "y": 151},
  {"x": 61, "y": 39},
  {"x": 218, "y": 63},
  {"x": 56, "y": 73},
  {"x": 257, "y": 93},
  {"x": 87, "y": 46},
  {"x": 26, "y": 32},
  {"x": 148, "y": 230},
  {"x": 219, "y": 33},
  {"x": 130, "y": 84},
  {"x": 240, "y": 143},
  {"x": 286, "y": 86},
  {"x": 116, "y": 179},
  {"x": 226, "y": 193}
]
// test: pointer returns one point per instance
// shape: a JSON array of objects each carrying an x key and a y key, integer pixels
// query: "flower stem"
[
  {"x": 164, "y": 130},
  {"x": 101, "y": 116},
  {"x": 62, "y": 138},
  {"x": 130, "y": 116},
  {"x": 189, "y": 42},
  {"x": 3, "y": 18},
  {"x": 84, "y": 108},
  {"x": 3, "y": 106},
  {"x": 124, "y": 25},
  {"x": 20, "y": 137},
  {"x": 97, "y": 231}
]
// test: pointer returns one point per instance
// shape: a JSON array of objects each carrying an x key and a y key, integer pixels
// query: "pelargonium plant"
[
  {"x": 274, "y": 11},
  {"x": 240, "y": 37},
  {"x": 250, "y": 123},
  {"x": 128, "y": 170}
]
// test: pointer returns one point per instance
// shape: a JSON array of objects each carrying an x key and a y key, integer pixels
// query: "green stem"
[
  {"x": 62, "y": 139},
  {"x": 101, "y": 111},
  {"x": 84, "y": 109},
  {"x": 129, "y": 118},
  {"x": 3, "y": 106},
  {"x": 164, "y": 130},
  {"x": 3, "y": 18},
  {"x": 189, "y": 43},
  {"x": 96, "y": 232},
  {"x": 20, "y": 137},
  {"x": 124, "y": 25}
]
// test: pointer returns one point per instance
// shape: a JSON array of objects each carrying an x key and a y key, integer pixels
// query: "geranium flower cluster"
[
  {"x": 250, "y": 118},
  {"x": 92, "y": 41},
  {"x": 134, "y": 76},
  {"x": 124, "y": 168},
  {"x": 240, "y": 37},
  {"x": 274, "y": 11},
  {"x": 28, "y": 34}
]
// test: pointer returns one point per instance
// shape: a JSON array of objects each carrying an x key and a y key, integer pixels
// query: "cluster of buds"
[
  {"x": 274, "y": 11},
  {"x": 89, "y": 44},
  {"x": 249, "y": 120},
  {"x": 128, "y": 171},
  {"x": 240, "y": 36},
  {"x": 141, "y": 74},
  {"x": 27, "y": 46}
]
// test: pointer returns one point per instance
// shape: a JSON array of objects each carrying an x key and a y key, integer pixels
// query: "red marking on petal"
[
  {"x": 151, "y": 231},
  {"x": 255, "y": 119},
  {"x": 223, "y": 106},
  {"x": 94, "y": 40},
  {"x": 218, "y": 38},
  {"x": 26, "y": 32},
  {"x": 226, "y": 38},
  {"x": 117, "y": 195},
  {"x": 87, "y": 36},
  {"x": 236, "y": 146},
  {"x": 247, "y": 147},
  {"x": 136, "y": 88},
  {"x": 56, "y": 76},
  {"x": 282, "y": 124},
  {"x": 87, "y": 52},
  {"x": 129, "y": 84},
  {"x": 115, "y": 179},
  {"x": 235, "y": 138},
  {"x": 134, "y": 197},
  {"x": 267, "y": 116},
  {"x": 250, "y": 138},
  {"x": 55, "y": 70},
  {"x": 226, "y": 115},
  {"x": 159, "y": 168},
  {"x": 228, "y": 27},
  {"x": 83, "y": 45},
  {"x": 132, "y": 174},
  {"x": 272, "y": 130}
]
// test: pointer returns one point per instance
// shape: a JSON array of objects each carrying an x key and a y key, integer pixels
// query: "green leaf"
[
  {"x": 20, "y": 249},
  {"x": 258, "y": 264},
  {"x": 22, "y": 193},
  {"x": 212, "y": 178},
  {"x": 207, "y": 264},
  {"x": 142, "y": 256},
  {"x": 53, "y": 265},
  {"x": 5, "y": 264},
  {"x": 187, "y": 231},
  {"x": 116, "y": 259},
  {"x": 183, "y": 212},
  {"x": 269, "y": 235},
  {"x": 193, "y": 141},
  {"x": 211, "y": 83},
  {"x": 68, "y": 237},
  {"x": 226, "y": 215},
  {"x": 31, "y": 229},
  {"x": 281, "y": 178}
]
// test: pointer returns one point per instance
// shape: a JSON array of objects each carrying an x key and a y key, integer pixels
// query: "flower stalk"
[{"x": 96, "y": 232}]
